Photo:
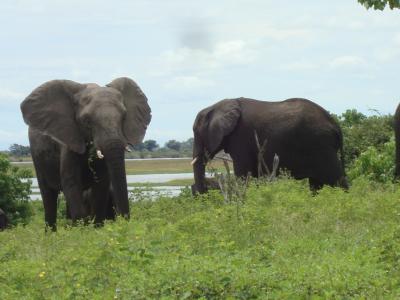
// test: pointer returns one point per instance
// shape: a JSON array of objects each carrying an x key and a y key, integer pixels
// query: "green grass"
[
  {"x": 280, "y": 243},
  {"x": 157, "y": 166}
]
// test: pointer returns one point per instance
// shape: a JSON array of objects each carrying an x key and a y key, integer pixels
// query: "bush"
[
  {"x": 15, "y": 188},
  {"x": 361, "y": 132},
  {"x": 287, "y": 244},
  {"x": 375, "y": 164}
]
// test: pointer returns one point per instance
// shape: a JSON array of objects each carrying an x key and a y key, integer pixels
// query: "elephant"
[
  {"x": 3, "y": 220},
  {"x": 78, "y": 134},
  {"x": 304, "y": 136},
  {"x": 397, "y": 138}
]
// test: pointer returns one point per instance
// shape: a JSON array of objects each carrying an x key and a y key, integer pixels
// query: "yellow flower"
[
  {"x": 78, "y": 285},
  {"x": 41, "y": 274}
]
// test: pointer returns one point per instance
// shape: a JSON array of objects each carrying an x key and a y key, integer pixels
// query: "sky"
[{"x": 186, "y": 55}]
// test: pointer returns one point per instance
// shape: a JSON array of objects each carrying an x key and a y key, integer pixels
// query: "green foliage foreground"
[
  {"x": 14, "y": 192},
  {"x": 281, "y": 242}
]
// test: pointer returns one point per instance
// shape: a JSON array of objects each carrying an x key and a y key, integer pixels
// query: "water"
[{"x": 144, "y": 178}]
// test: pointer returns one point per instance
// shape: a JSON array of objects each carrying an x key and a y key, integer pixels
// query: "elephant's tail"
[{"x": 340, "y": 137}]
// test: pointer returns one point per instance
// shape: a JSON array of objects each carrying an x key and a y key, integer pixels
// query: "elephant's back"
[
  {"x": 289, "y": 112},
  {"x": 293, "y": 120}
]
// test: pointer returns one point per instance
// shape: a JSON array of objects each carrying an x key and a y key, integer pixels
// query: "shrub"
[
  {"x": 361, "y": 132},
  {"x": 375, "y": 164},
  {"x": 15, "y": 188}
]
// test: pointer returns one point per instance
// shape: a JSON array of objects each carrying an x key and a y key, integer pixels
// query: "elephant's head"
[
  {"x": 110, "y": 118},
  {"x": 211, "y": 126}
]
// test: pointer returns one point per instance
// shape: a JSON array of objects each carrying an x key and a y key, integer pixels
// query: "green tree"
[
  {"x": 15, "y": 188},
  {"x": 139, "y": 147},
  {"x": 351, "y": 117},
  {"x": 188, "y": 145},
  {"x": 19, "y": 150},
  {"x": 173, "y": 144},
  {"x": 150, "y": 145},
  {"x": 380, "y": 4},
  {"x": 361, "y": 132}
]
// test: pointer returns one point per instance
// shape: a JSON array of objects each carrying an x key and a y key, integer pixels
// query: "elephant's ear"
[
  {"x": 50, "y": 110},
  {"x": 222, "y": 121},
  {"x": 138, "y": 111}
]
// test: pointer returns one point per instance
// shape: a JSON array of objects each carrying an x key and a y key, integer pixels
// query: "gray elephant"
[
  {"x": 3, "y": 220},
  {"x": 303, "y": 134},
  {"x": 78, "y": 134}
]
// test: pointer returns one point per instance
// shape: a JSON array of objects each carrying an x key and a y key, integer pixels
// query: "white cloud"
[
  {"x": 7, "y": 96},
  {"x": 11, "y": 137},
  {"x": 284, "y": 34},
  {"x": 388, "y": 54},
  {"x": 347, "y": 61},
  {"x": 396, "y": 39},
  {"x": 299, "y": 66},
  {"x": 226, "y": 53},
  {"x": 188, "y": 82}
]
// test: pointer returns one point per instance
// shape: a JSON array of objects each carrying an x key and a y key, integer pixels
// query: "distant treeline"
[
  {"x": 172, "y": 148},
  {"x": 147, "y": 149},
  {"x": 359, "y": 133}
]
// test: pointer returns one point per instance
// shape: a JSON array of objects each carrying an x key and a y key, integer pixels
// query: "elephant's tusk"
[
  {"x": 99, "y": 154},
  {"x": 128, "y": 149},
  {"x": 194, "y": 160}
]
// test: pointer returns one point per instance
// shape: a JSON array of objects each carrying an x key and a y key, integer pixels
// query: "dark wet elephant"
[
  {"x": 3, "y": 220},
  {"x": 397, "y": 137},
  {"x": 303, "y": 134},
  {"x": 78, "y": 134}
]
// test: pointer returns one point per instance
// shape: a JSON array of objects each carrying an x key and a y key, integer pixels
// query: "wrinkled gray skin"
[
  {"x": 3, "y": 220},
  {"x": 397, "y": 137},
  {"x": 302, "y": 133},
  {"x": 66, "y": 121}
]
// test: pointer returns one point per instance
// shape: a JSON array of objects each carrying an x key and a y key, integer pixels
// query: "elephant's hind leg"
[
  {"x": 327, "y": 169},
  {"x": 315, "y": 185}
]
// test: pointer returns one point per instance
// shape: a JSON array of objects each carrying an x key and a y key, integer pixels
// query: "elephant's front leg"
[{"x": 71, "y": 182}]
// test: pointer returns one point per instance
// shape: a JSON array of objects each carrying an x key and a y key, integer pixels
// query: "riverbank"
[{"x": 149, "y": 166}]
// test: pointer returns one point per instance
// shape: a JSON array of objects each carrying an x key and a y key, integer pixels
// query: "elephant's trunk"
[
  {"x": 199, "y": 169},
  {"x": 199, "y": 166},
  {"x": 115, "y": 157}
]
